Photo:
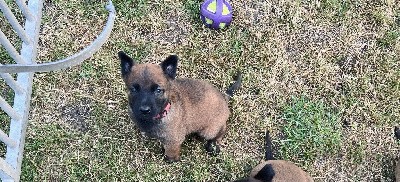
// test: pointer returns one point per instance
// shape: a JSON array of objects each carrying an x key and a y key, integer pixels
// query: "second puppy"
[{"x": 272, "y": 170}]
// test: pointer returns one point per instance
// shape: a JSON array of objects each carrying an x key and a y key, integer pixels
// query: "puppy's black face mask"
[
  {"x": 147, "y": 103},
  {"x": 148, "y": 86}
]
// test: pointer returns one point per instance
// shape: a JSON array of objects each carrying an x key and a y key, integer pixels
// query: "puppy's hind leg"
[{"x": 212, "y": 145}]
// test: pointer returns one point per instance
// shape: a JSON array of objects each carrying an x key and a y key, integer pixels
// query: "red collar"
[{"x": 164, "y": 112}]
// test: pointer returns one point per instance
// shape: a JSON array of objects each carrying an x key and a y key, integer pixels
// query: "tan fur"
[
  {"x": 272, "y": 170},
  {"x": 196, "y": 107},
  {"x": 397, "y": 171},
  {"x": 284, "y": 171}
]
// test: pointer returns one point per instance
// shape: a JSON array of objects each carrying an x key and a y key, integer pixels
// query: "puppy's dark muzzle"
[{"x": 145, "y": 110}]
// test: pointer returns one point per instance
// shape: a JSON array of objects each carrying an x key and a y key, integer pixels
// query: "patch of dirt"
[{"x": 76, "y": 114}]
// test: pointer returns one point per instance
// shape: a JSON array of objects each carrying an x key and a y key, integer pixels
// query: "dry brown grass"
[{"x": 343, "y": 53}]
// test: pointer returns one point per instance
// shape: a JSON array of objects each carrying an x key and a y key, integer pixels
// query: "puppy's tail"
[
  {"x": 397, "y": 132},
  {"x": 235, "y": 85},
  {"x": 268, "y": 147}
]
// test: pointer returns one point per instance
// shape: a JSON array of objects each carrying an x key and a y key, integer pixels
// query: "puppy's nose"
[{"x": 144, "y": 109}]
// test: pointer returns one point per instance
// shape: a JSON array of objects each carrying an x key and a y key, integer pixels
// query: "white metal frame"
[{"x": 10, "y": 167}]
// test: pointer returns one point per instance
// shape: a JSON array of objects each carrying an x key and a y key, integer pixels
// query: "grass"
[
  {"x": 311, "y": 129},
  {"x": 389, "y": 38},
  {"x": 132, "y": 8},
  {"x": 340, "y": 59},
  {"x": 337, "y": 8},
  {"x": 192, "y": 7},
  {"x": 7, "y": 94}
]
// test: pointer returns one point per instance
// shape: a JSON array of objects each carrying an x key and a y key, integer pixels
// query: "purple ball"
[{"x": 216, "y": 14}]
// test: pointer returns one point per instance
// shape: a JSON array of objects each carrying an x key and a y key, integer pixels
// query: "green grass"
[
  {"x": 236, "y": 43},
  {"x": 193, "y": 9},
  {"x": 358, "y": 153},
  {"x": 137, "y": 50},
  {"x": 306, "y": 66},
  {"x": 338, "y": 8},
  {"x": 5, "y": 126},
  {"x": 59, "y": 139},
  {"x": 311, "y": 129},
  {"x": 389, "y": 38},
  {"x": 132, "y": 8},
  {"x": 8, "y": 95},
  {"x": 6, "y": 59}
]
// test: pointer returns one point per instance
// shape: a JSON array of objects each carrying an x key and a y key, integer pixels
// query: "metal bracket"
[
  {"x": 69, "y": 61},
  {"x": 10, "y": 166}
]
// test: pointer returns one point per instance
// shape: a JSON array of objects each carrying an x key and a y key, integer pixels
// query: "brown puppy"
[
  {"x": 276, "y": 170},
  {"x": 169, "y": 109}
]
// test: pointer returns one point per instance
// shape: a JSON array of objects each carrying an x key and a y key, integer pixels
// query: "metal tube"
[
  {"x": 24, "y": 8},
  {"x": 8, "y": 170},
  {"x": 22, "y": 102},
  {"x": 9, "y": 110},
  {"x": 10, "y": 48},
  {"x": 69, "y": 61},
  {"x": 12, "y": 83},
  {"x": 7, "y": 140},
  {"x": 14, "y": 22}
]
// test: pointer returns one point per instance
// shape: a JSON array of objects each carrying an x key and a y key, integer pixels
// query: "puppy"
[
  {"x": 169, "y": 108},
  {"x": 276, "y": 170}
]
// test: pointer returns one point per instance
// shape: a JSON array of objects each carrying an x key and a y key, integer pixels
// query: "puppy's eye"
[
  {"x": 135, "y": 88},
  {"x": 159, "y": 91}
]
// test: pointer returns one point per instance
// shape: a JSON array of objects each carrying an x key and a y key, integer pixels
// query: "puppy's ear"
[
  {"x": 169, "y": 66},
  {"x": 267, "y": 173},
  {"x": 126, "y": 63}
]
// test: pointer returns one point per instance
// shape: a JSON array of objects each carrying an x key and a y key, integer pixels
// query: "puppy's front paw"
[
  {"x": 169, "y": 159},
  {"x": 172, "y": 152},
  {"x": 212, "y": 148}
]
